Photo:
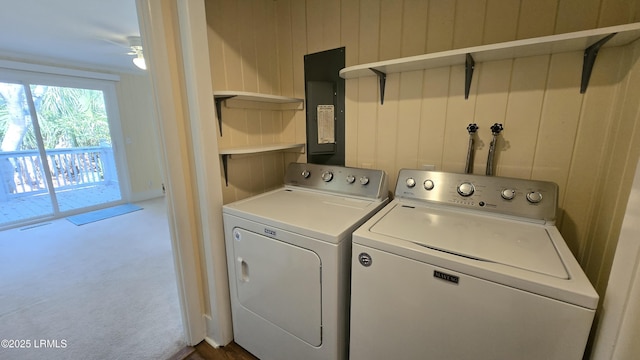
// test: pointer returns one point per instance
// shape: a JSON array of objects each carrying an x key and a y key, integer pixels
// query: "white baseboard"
[
  {"x": 146, "y": 195},
  {"x": 211, "y": 342},
  {"x": 209, "y": 333}
]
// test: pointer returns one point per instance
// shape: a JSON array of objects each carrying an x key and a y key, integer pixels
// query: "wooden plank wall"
[
  {"x": 587, "y": 143},
  {"x": 252, "y": 51},
  {"x": 607, "y": 200}
]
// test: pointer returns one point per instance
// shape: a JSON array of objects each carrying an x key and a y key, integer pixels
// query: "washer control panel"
[
  {"x": 358, "y": 182},
  {"x": 510, "y": 196}
]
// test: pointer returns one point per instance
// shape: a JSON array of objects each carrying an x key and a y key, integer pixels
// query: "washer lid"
[{"x": 509, "y": 242}]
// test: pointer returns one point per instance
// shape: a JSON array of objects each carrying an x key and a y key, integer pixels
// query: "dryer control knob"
[
  {"x": 327, "y": 176},
  {"x": 466, "y": 189},
  {"x": 351, "y": 179},
  {"x": 534, "y": 197},
  {"x": 428, "y": 185},
  {"x": 364, "y": 180},
  {"x": 306, "y": 174},
  {"x": 411, "y": 182},
  {"x": 508, "y": 194}
]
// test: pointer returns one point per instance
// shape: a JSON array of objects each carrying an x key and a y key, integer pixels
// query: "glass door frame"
[
  {"x": 41, "y": 149},
  {"x": 73, "y": 79}
]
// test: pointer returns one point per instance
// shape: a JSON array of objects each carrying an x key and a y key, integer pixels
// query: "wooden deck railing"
[{"x": 22, "y": 174}]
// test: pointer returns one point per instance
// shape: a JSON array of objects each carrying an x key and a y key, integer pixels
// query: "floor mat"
[{"x": 102, "y": 214}]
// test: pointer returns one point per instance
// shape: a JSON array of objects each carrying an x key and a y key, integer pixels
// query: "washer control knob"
[
  {"x": 306, "y": 174},
  {"x": 364, "y": 180},
  {"x": 466, "y": 189},
  {"x": 508, "y": 194},
  {"x": 411, "y": 182},
  {"x": 534, "y": 197},
  {"x": 327, "y": 176},
  {"x": 351, "y": 179},
  {"x": 428, "y": 184}
]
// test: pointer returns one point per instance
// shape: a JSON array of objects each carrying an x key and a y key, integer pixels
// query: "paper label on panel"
[{"x": 326, "y": 132}]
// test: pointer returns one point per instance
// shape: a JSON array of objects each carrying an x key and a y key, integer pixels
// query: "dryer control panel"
[
  {"x": 532, "y": 199},
  {"x": 369, "y": 183}
]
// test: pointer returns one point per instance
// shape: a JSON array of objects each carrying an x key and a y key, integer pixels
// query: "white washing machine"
[
  {"x": 462, "y": 266},
  {"x": 289, "y": 260}
]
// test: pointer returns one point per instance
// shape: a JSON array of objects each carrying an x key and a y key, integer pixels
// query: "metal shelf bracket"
[
  {"x": 469, "y": 66},
  {"x": 383, "y": 80},
  {"x": 218, "y": 100},
  {"x": 589, "y": 60},
  {"x": 225, "y": 160}
]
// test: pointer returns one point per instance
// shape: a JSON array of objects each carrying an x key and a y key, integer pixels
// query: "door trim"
[
  {"x": 180, "y": 209},
  {"x": 186, "y": 123}
]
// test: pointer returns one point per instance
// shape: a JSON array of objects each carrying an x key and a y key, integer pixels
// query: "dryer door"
[{"x": 279, "y": 282}]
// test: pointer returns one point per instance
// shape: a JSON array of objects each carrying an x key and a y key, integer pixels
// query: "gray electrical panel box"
[{"x": 324, "y": 95}]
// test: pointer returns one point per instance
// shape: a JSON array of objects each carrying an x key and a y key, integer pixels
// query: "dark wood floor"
[{"x": 204, "y": 351}]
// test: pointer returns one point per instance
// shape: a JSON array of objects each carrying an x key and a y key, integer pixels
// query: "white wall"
[{"x": 142, "y": 148}]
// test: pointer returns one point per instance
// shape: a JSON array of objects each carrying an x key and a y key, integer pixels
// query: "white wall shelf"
[
  {"x": 254, "y": 150},
  {"x": 249, "y": 100},
  {"x": 588, "y": 40},
  {"x": 248, "y": 150},
  {"x": 266, "y": 98}
]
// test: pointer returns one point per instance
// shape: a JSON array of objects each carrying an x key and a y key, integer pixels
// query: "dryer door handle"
[{"x": 244, "y": 270}]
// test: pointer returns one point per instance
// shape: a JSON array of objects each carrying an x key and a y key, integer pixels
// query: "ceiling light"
[
  {"x": 139, "y": 62},
  {"x": 136, "y": 49}
]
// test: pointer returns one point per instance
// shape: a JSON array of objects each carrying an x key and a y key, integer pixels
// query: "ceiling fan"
[{"x": 135, "y": 43}]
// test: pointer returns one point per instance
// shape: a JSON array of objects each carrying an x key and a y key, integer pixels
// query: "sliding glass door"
[
  {"x": 56, "y": 152},
  {"x": 24, "y": 193}
]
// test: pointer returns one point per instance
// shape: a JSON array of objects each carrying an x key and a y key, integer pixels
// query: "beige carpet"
[{"x": 104, "y": 290}]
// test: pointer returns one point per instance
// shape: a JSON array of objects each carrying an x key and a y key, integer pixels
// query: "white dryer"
[
  {"x": 462, "y": 266},
  {"x": 289, "y": 259}
]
